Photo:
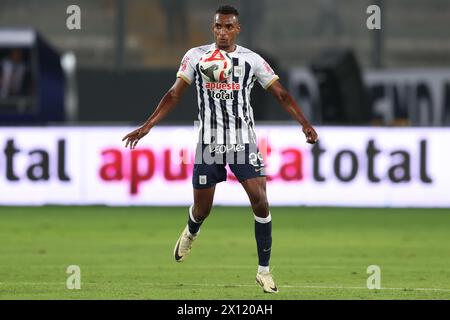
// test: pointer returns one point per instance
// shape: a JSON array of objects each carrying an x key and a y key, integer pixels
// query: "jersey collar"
[{"x": 213, "y": 47}]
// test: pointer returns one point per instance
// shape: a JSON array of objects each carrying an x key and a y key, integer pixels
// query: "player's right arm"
[{"x": 169, "y": 100}]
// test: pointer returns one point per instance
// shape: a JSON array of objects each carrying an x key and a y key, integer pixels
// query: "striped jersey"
[{"x": 224, "y": 110}]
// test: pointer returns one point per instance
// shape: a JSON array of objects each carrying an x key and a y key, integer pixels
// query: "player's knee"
[
  {"x": 201, "y": 212},
  {"x": 261, "y": 207}
]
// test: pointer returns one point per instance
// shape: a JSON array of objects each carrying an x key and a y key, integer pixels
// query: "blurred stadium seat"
[{"x": 343, "y": 94}]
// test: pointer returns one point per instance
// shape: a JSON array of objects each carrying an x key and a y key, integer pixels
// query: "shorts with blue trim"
[{"x": 244, "y": 160}]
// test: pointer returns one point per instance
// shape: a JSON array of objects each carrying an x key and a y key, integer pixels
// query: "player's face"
[{"x": 225, "y": 28}]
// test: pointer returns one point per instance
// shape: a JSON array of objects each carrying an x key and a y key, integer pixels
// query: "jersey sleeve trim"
[
  {"x": 182, "y": 76},
  {"x": 275, "y": 78}
]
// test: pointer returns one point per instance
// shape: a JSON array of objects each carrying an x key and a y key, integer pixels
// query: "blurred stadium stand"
[
  {"x": 289, "y": 33},
  {"x": 343, "y": 95},
  {"x": 293, "y": 31}
]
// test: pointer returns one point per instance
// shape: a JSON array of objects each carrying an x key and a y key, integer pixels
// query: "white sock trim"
[
  {"x": 189, "y": 233},
  {"x": 263, "y": 220},
  {"x": 191, "y": 215},
  {"x": 263, "y": 269}
]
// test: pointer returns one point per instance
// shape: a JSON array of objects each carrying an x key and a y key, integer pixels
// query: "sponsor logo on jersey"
[
  {"x": 223, "y": 86},
  {"x": 222, "y": 95},
  {"x": 222, "y": 90},
  {"x": 222, "y": 148}
]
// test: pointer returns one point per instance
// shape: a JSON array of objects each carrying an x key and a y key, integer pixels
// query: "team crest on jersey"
[{"x": 238, "y": 71}]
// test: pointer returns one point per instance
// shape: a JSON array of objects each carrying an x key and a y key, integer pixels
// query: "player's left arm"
[{"x": 285, "y": 99}]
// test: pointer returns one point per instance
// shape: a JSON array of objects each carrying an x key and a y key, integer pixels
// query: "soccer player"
[{"x": 226, "y": 134}]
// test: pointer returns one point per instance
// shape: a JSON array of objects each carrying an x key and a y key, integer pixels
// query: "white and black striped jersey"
[{"x": 225, "y": 113}]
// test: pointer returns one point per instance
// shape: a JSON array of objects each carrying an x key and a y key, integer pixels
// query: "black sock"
[
  {"x": 263, "y": 235},
  {"x": 193, "y": 226}
]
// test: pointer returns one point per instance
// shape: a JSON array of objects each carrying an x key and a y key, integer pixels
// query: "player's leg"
[
  {"x": 204, "y": 180},
  {"x": 249, "y": 168},
  {"x": 207, "y": 173},
  {"x": 256, "y": 191},
  {"x": 198, "y": 212}
]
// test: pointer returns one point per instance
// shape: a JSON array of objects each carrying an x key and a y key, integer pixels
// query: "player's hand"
[
  {"x": 134, "y": 136},
  {"x": 310, "y": 134}
]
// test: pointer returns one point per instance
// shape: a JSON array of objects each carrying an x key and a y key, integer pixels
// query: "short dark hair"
[{"x": 226, "y": 9}]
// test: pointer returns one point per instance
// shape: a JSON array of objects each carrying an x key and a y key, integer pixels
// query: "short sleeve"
[
  {"x": 186, "y": 70},
  {"x": 264, "y": 73}
]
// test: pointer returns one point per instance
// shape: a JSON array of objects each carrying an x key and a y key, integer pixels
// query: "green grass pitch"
[{"x": 317, "y": 253}]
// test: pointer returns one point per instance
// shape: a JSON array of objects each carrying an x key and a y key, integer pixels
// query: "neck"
[{"x": 228, "y": 49}]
